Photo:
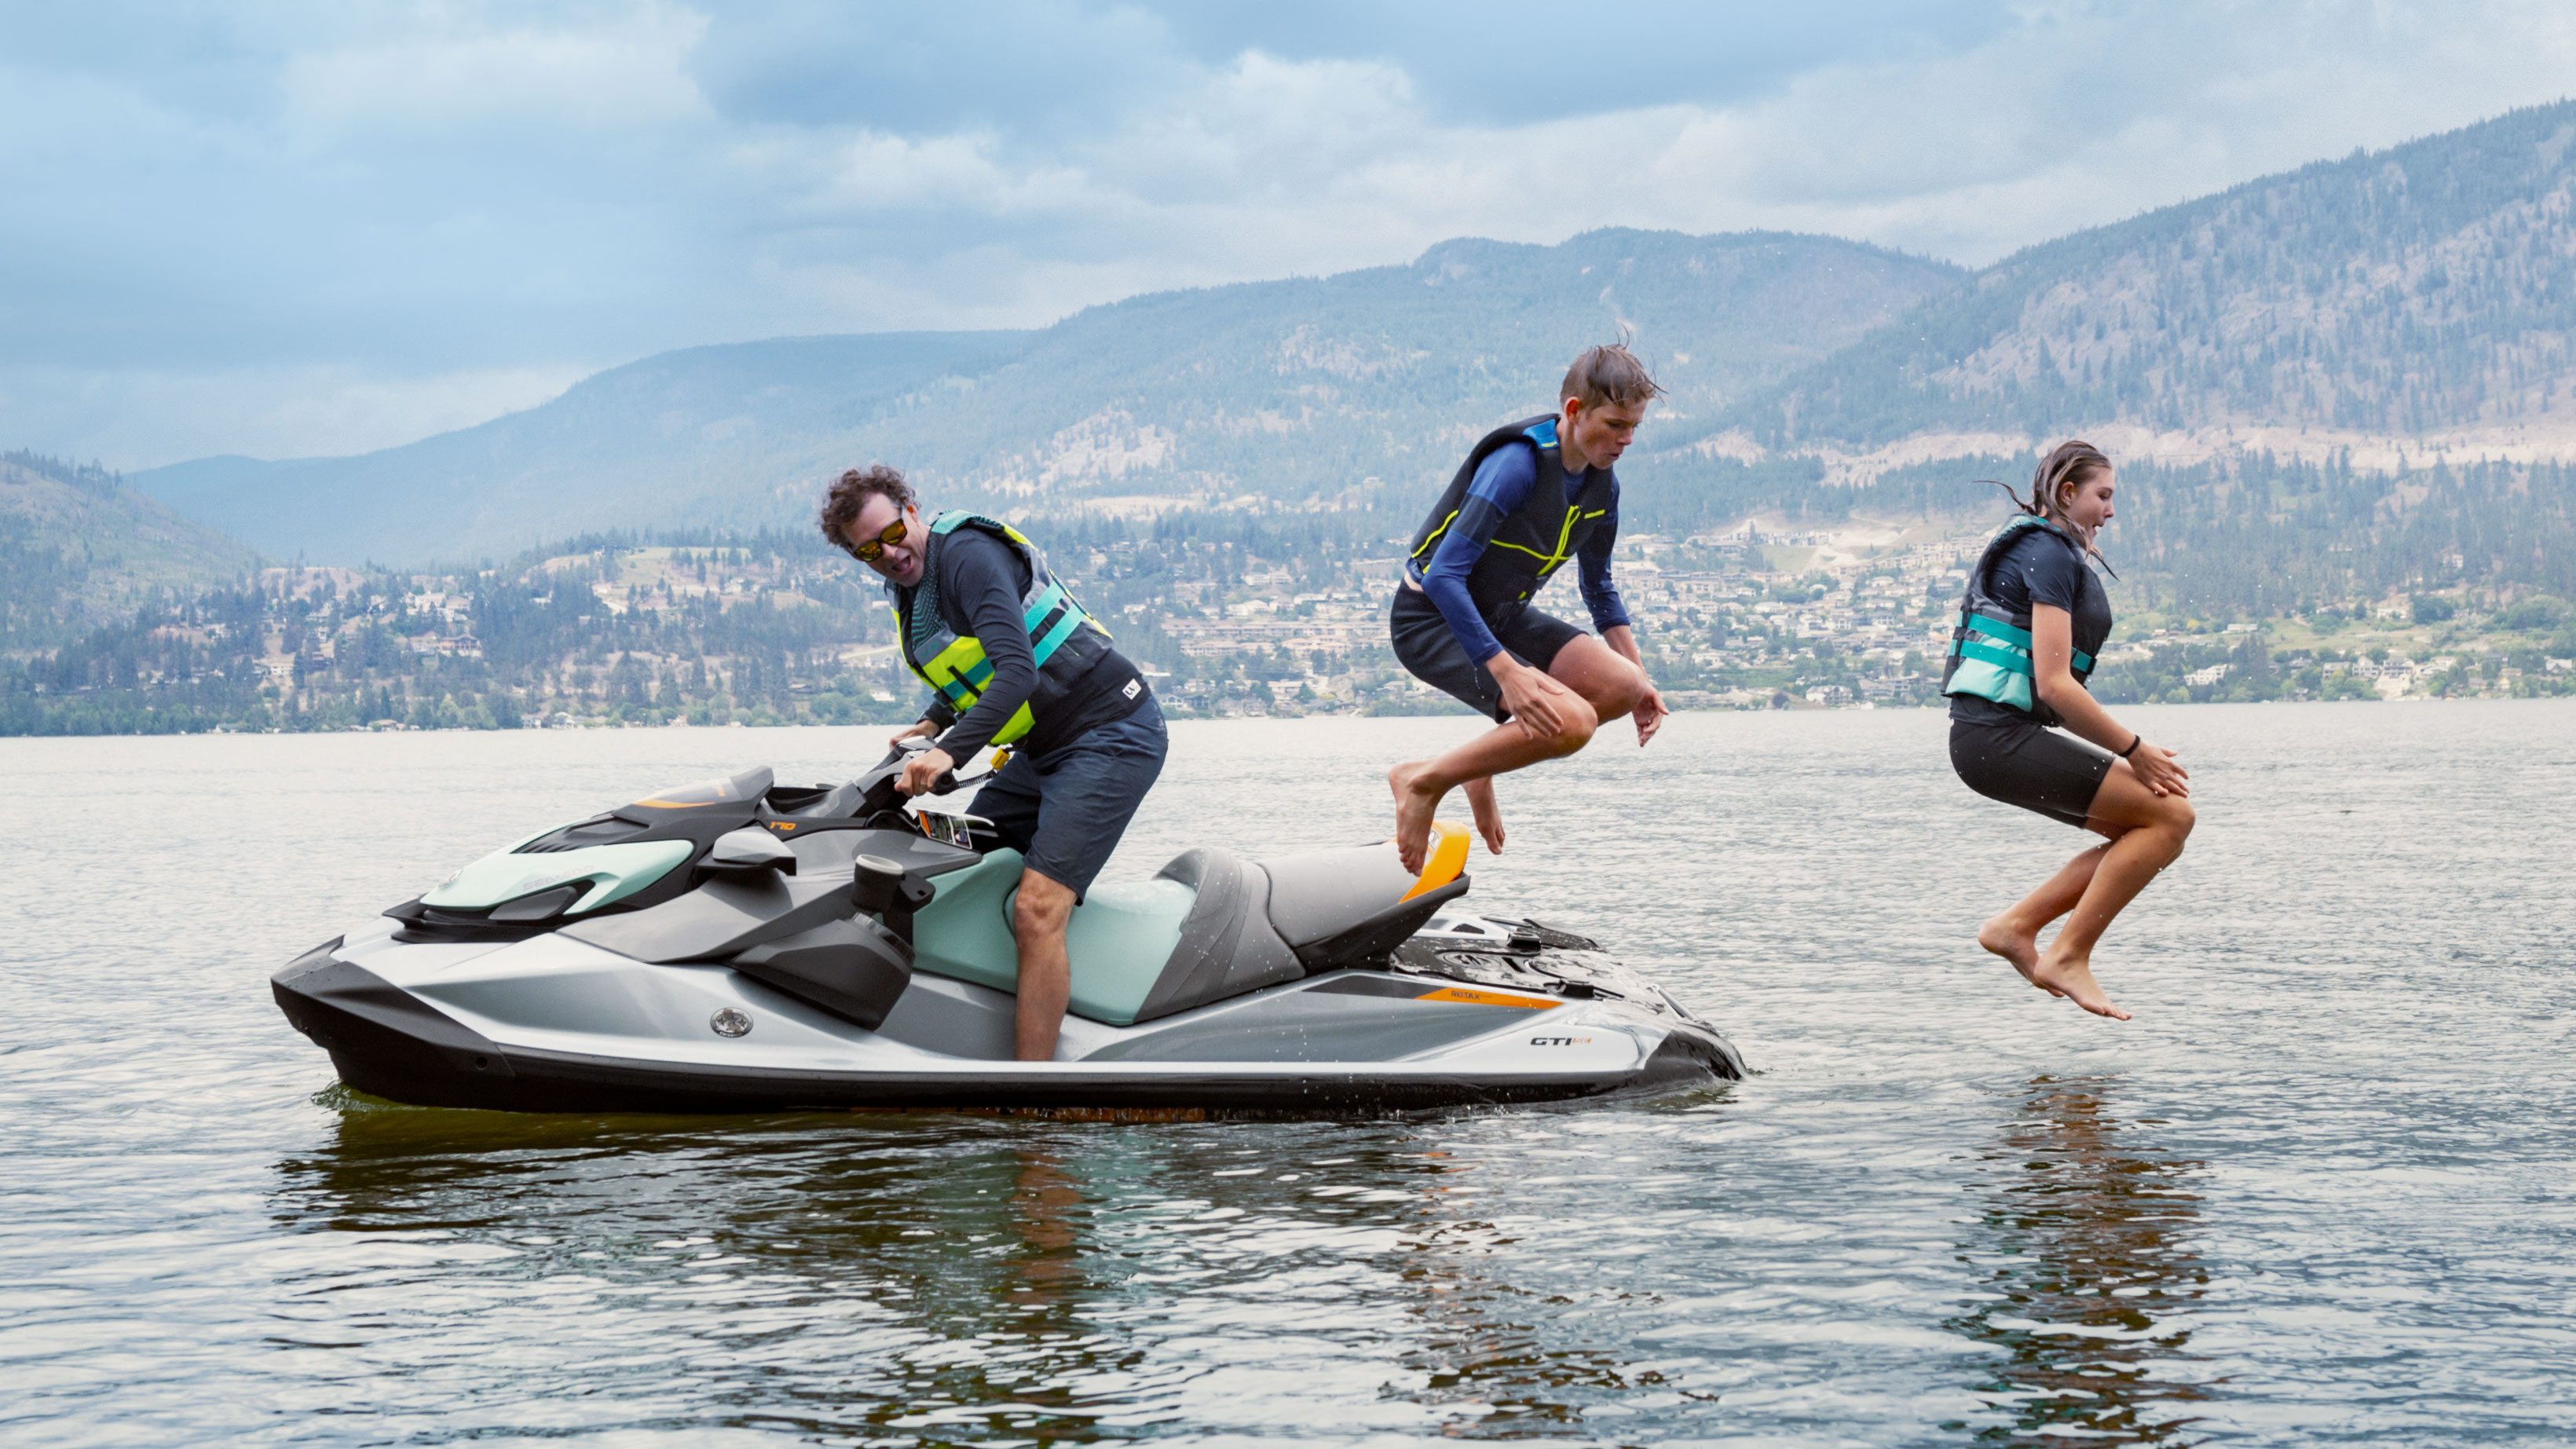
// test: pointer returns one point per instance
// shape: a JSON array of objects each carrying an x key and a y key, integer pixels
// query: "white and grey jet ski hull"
[{"x": 553, "y": 1023}]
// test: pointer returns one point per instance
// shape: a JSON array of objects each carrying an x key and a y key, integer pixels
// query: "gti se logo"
[{"x": 1557, "y": 1040}]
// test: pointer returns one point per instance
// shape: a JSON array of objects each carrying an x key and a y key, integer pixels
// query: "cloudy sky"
[{"x": 288, "y": 227}]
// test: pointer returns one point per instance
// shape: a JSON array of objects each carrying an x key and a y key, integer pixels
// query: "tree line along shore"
[{"x": 1232, "y": 615}]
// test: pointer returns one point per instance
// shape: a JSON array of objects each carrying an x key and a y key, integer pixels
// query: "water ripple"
[{"x": 2319, "y": 1191}]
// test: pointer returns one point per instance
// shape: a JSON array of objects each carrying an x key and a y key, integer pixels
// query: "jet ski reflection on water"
[{"x": 742, "y": 945}]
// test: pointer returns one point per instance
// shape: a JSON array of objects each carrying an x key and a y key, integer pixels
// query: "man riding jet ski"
[
  {"x": 1010, "y": 658},
  {"x": 742, "y": 945}
]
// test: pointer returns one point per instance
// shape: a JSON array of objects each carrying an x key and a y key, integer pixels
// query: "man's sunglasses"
[{"x": 874, "y": 548}]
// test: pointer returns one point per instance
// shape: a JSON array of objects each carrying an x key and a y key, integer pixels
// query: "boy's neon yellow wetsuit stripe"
[
  {"x": 1990, "y": 648},
  {"x": 1535, "y": 531},
  {"x": 1065, "y": 639}
]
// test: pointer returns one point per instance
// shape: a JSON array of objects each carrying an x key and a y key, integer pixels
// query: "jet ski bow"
[{"x": 741, "y": 945}]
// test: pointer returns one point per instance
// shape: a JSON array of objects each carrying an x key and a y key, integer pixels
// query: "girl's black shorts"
[{"x": 2022, "y": 763}]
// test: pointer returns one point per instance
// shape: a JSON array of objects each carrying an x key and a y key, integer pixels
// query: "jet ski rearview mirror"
[{"x": 749, "y": 849}]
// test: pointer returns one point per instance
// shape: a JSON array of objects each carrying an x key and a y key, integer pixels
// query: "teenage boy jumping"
[{"x": 1529, "y": 497}]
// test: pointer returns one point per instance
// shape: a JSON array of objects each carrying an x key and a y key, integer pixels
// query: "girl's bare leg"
[
  {"x": 2149, "y": 831},
  {"x": 2014, "y": 935}
]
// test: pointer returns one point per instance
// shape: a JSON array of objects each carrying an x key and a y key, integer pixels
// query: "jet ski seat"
[
  {"x": 1121, "y": 936},
  {"x": 1335, "y": 907},
  {"x": 1195, "y": 933},
  {"x": 1210, "y": 925}
]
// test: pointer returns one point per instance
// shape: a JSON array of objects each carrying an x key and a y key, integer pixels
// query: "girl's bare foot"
[
  {"x": 2074, "y": 978},
  {"x": 1489, "y": 816},
  {"x": 1413, "y": 811},
  {"x": 2006, "y": 938}
]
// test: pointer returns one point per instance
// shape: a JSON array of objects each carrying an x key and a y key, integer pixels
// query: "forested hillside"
[
  {"x": 2424, "y": 288},
  {"x": 78, "y": 550},
  {"x": 1332, "y": 390},
  {"x": 1341, "y": 388},
  {"x": 2340, "y": 393},
  {"x": 2259, "y": 536}
]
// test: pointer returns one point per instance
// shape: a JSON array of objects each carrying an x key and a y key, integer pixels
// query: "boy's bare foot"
[
  {"x": 2020, "y": 947},
  {"x": 1489, "y": 816},
  {"x": 1413, "y": 811},
  {"x": 2074, "y": 979}
]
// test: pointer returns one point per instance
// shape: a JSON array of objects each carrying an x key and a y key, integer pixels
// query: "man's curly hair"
[{"x": 849, "y": 494}]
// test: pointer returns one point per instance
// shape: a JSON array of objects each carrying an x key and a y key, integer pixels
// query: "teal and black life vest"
[
  {"x": 1066, "y": 640},
  {"x": 1531, "y": 543},
  {"x": 1990, "y": 648}
]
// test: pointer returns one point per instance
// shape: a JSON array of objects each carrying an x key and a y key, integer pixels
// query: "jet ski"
[{"x": 741, "y": 945}]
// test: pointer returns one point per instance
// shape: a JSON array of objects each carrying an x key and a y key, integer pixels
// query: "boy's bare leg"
[
  {"x": 2151, "y": 829},
  {"x": 1604, "y": 686},
  {"x": 1420, "y": 785},
  {"x": 1610, "y": 684},
  {"x": 1489, "y": 816}
]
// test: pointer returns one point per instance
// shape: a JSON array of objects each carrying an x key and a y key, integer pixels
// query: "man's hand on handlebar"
[
  {"x": 921, "y": 773},
  {"x": 918, "y": 727}
]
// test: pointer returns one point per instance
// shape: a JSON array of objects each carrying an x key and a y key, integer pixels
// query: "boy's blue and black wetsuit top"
[{"x": 1509, "y": 519}]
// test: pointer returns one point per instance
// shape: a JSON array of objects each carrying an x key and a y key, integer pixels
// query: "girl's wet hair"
[{"x": 2070, "y": 464}]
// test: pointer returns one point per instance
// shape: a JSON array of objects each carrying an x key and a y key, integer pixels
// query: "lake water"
[{"x": 2321, "y": 1190}]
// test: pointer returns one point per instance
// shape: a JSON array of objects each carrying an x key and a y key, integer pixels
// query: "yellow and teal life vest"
[
  {"x": 1990, "y": 647},
  {"x": 1532, "y": 542},
  {"x": 1066, "y": 640}
]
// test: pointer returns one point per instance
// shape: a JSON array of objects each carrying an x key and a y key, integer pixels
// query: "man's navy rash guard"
[
  {"x": 982, "y": 582},
  {"x": 1502, "y": 484}
]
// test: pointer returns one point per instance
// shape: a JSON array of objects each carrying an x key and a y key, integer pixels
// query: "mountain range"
[
  {"x": 2425, "y": 294},
  {"x": 2368, "y": 315},
  {"x": 1310, "y": 390}
]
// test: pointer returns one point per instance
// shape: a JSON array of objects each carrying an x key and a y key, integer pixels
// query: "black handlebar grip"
[{"x": 945, "y": 784}]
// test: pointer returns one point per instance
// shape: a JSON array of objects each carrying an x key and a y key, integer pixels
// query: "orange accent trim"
[
  {"x": 678, "y": 804},
  {"x": 1485, "y": 998},
  {"x": 1442, "y": 862}
]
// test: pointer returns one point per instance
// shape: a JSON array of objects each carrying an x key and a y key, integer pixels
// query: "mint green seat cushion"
[{"x": 1119, "y": 940}]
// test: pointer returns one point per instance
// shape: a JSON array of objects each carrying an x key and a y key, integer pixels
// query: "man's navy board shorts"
[
  {"x": 1064, "y": 811},
  {"x": 1429, "y": 648}
]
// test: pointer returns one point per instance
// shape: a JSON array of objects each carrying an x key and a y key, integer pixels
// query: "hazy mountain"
[
  {"x": 1313, "y": 388},
  {"x": 1310, "y": 388},
  {"x": 674, "y": 438},
  {"x": 78, "y": 550},
  {"x": 2426, "y": 289}
]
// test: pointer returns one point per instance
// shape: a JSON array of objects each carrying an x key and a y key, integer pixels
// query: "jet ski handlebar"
[{"x": 880, "y": 786}]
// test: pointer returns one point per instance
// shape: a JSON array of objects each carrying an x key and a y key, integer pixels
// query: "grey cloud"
[
  {"x": 1030, "y": 68},
  {"x": 389, "y": 217},
  {"x": 1512, "y": 62}
]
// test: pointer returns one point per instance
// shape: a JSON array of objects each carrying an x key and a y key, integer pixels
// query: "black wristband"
[{"x": 2135, "y": 739}]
